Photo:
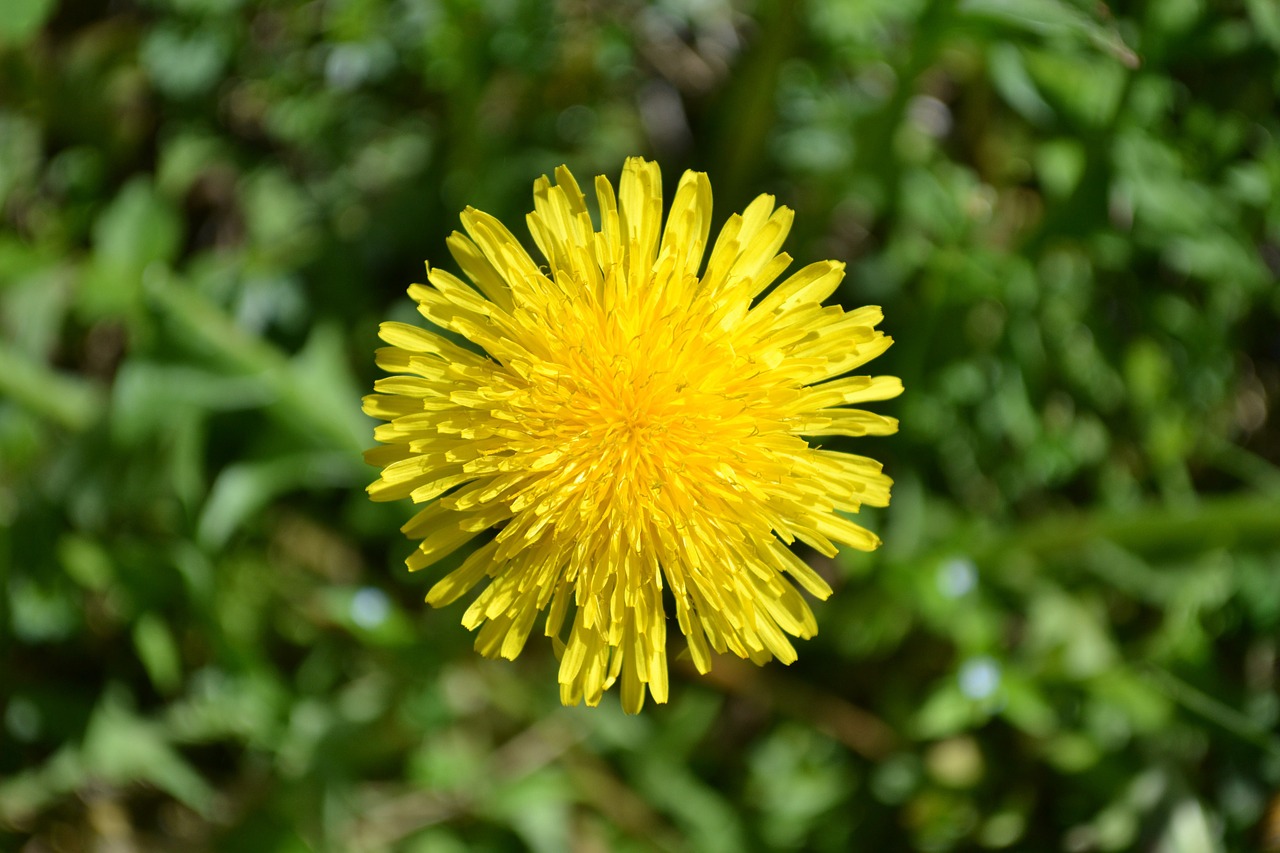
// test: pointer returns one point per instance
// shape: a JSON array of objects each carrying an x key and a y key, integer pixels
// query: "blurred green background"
[{"x": 1068, "y": 210}]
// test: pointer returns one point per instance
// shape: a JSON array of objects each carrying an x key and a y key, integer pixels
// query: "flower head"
[{"x": 630, "y": 425}]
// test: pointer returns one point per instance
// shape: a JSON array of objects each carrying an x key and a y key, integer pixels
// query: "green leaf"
[
  {"x": 1087, "y": 90},
  {"x": 22, "y": 19},
  {"x": 1265, "y": 15},
  {"x": 158, "y": 652},
  {"x": 67, "y": 400},
  {"x": 137, "y": 229},
  {"x": 279, "y": 216},
  {"x": 946, "y": 712},
  {"x": 184, "y": 64},
  {"x": 1025, "y": 705},
  {"x": 19, "y": 145},
  {"x": 1010, "y": 78},
  {"x": 1050, "y": 19},
  {"x": 323, "y": 390},
  {"x": 1071, "y": 752},
  {"x": 708, "y": 819},
  {"x": 539, "y": 807},
  {"x": 242, "y": 489},
  {"x": 86, "y": 561},
  {"x": 1147, "y": 372},
  {"x": 122, "y": 748},
  {"x": 40, "y": 613}
]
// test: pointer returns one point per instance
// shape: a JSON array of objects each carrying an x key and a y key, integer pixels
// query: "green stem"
[
  {"x": 67, "y": 400},
  {"x": 1202, "y": 704},
  {"x": 204, "y": 322},
  {"x": 1241, "y": 520}
]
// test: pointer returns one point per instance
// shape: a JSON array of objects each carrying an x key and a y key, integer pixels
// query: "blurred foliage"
[{"x": 1070, "y": 212}]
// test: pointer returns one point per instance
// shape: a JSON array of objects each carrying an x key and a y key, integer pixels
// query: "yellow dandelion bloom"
[{"x": 632, "y": 428}]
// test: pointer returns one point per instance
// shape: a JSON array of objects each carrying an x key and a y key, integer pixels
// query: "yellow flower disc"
[{"x": 628, "y": 425}]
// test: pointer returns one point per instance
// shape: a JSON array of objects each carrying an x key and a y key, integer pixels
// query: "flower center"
[{"x": 638, "y": 419}]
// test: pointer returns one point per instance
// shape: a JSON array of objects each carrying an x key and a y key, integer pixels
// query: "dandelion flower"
[{"x": 635, "y": 427}]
